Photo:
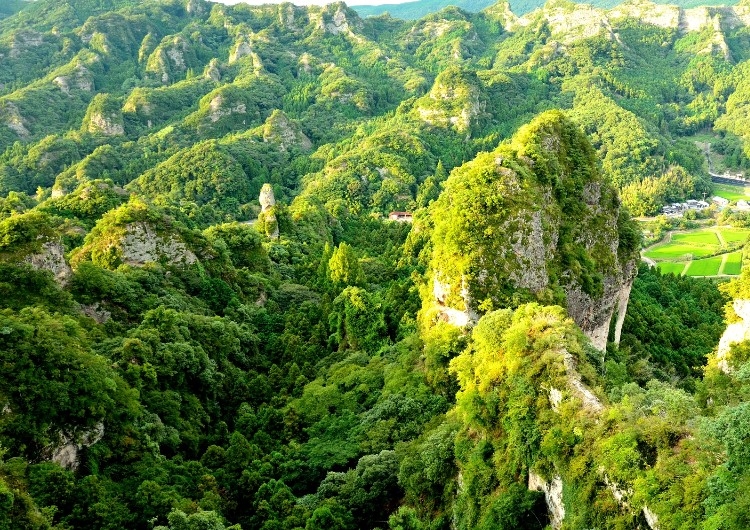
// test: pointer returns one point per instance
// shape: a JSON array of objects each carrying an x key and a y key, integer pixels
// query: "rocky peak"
[
  {"x": 266, "y": 198},
  {"x": 23, "y": 41},
  {"x": 219, "y": 108},
  {"x": 288, "y": 16},
  {"x": 196, "y": 8},
  {"x": 13, "y": 119},
  {"x": 242, "y": 48},
  {"x": 142, "y": 244},
  {"x": 267, "y": 218},
  {"x": 104, "y": 116},
  {"x": 501, "y": 230},
  {"x": 212, "y": 71},
  {"x": 454, "y": 101},
  {"x": 80, "y": 79},
  {"x": 283, "y": 131},
  {"x": 336, "y": 19}
]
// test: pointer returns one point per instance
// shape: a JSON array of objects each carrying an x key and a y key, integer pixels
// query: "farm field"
[
  {"x": 732, "y": 193},
  {"x": 733, "y": 264},
  {"x": 671, "y": 266},
  {"x": 701, "y": 252},
  {"x": 686, "y": 246},
  {"x": 705, "y": 267},
  {"x": 734, "y": 235}
]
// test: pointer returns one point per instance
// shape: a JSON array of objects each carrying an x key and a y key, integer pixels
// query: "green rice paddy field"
[
  {"x": 702, "y": 252},
  {"x": 732, "y": 193}
]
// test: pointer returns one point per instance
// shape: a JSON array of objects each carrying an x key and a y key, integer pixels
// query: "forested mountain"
[
  {"x": 420, "y": 8},
  {"x": 208, "y": 321}
]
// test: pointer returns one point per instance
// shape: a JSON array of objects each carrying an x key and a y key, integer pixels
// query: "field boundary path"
[
  {"x": 721, "y": 237},
  {"x": 724, "y": 259}
]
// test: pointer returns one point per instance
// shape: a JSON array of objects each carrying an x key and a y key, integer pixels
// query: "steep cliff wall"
[
  {"x": 533, "y": 220},
  {"x": 735, "y": 333}
]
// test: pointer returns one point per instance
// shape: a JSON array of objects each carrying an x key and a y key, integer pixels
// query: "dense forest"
[{"x": 209, "y": 321}]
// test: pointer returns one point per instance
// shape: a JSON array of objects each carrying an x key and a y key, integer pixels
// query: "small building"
[
  {"x": 401, "y": 217},
  {"x": 743, "y": 205},
  {"x": 702, "y": 205}
]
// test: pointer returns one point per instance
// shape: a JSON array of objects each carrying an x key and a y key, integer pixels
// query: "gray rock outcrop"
[
  {"x": 503, "y": 233},
  {"x": 67, "y": 451},
  {"x": 267, "y": 217},
  {"x": 141, "y": 244},
  {"x": 283, "y": 131},
  {"x": 735, "y": 332},
  {"x": 51, "y": 258}
]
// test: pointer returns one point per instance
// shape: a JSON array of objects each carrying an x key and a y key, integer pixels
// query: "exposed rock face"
[
  {"x": 735, "y": 332},
  {"x": 287, "y": 16},
  {"x": 594, "y": 314},
  {"x": 569, "y": 24},
  {"x": 454, "y": 101},
  {"x": 266, "y": 198},
  {"x": 553, "y": 489},
  {"x": 280, "y": 129},
  {"x": 501, "y": 228},
  {"x": 95, "y": 311},
  {"x": 196, "y": 7},
  {"x": 107, "y": 125},
  {"x": 460, "y": 318},
  {"x": 23, "y": 41},
  {"x": 219, "y": 109},
  {"x": 67, "y": 451},
  {"x": 241, "y": 49},
  {"x": 577, "y": 388},
  {"x": 168, "y": 59},
  {"x": 81, "y": 79},
  {"x": 267, "y": 215},
  {"x": 15, "y": 122},
  {"x": 339, "y": 22},
  {"x": 212, "y": 71},
  {"x": 552, "y": 494},
  {"x": 141, "y": 244},
  {"x": 52, "y": 258}
]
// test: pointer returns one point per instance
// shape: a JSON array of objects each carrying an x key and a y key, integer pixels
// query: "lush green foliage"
[{"x": 194, "y": 370}]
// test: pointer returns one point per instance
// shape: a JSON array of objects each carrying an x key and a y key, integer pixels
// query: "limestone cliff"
[
  {"x": 736, "y": 332},
  {"x": 51, "y": 257},
  {"x": 455, "y": 101},
  {"x": 66, "y": 451},
  {"x": 286, "y": 133},
  {"x": 533, "y": 220},
  {"x": 104, "y": 116},
  {"x": 267, "y": 218},
  {"x": 135, "y": 234},
  {"x": 36, "y": 241}
]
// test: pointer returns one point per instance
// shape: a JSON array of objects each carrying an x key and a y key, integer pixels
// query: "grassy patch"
[
  {"x": 670, "y": 266},
  {"x": 734, "y": 235},
  {"x": 732, "y": 193},
  {"x": 705, "y": 267},
  {"x": 700, "y": 237},
  {"x": 683, "y": 245},
  {"x": 695, "y": 244},
  {"x": 733, "y": 264}
]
